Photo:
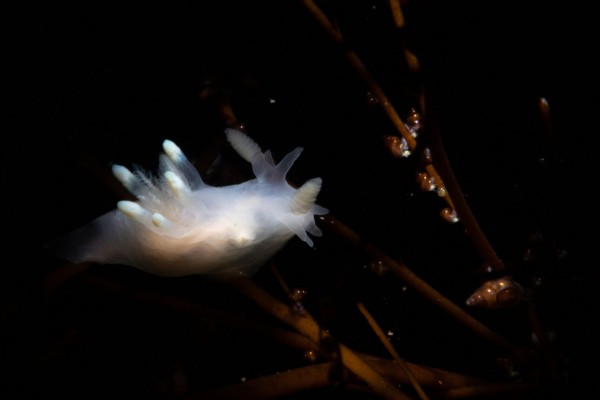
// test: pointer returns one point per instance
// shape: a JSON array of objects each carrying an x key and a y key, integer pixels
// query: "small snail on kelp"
[{"x": 495, "y": 294}]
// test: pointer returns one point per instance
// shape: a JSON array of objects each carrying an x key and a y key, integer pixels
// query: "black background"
[{"x": 109, "y": 81}]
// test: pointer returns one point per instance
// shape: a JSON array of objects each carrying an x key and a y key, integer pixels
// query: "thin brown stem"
[
  {"x": 186, "y": 307},
  {"x": 427, "y": 376},
  {"x": 456, "y": 197},
  {"x": 400, "y": 23},
  {"x": 422, "y": 287},
  {"x": 281, "y": 281},
  {"x": 397, "y": 13},
  {"x": 505, "y": 389},
  {"x": 364, "y": 73},
  {"x": 386, "y": 343},
  {"x": 433, "y": 378},
  {"x": 439, "y": 182},
  {"x": 468, "y": 220},
  {"x": 274, "y": 386},
  {"x": 306, "y": 325}
]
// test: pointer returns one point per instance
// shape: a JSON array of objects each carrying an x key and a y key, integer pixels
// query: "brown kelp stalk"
[
  {"x": 468, "y": 220},
  {"x": 362, "y": 70},
  {"x": 383, "y": 339},
  {"x": 422, "y": 287},
  {"x": 305, "y": 324},
  {"x": 426, "y": 376},
  {"x": 439, "y": 162}
]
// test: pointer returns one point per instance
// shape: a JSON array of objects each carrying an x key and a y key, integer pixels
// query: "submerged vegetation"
[{"x": 452, "y": 263}]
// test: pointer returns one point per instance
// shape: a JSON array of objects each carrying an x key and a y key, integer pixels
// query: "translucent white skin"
[{"x": 180, "y": 226}]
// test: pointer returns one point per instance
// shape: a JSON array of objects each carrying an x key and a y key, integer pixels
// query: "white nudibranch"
[{"x": 180, "y": 226}]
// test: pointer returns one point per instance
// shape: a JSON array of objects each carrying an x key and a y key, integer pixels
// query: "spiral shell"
[{"x": 495, "y": 294}]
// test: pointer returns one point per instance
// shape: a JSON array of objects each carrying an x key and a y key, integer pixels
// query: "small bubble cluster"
[
  {"x": 298, "y": 308},
  {"x": 371, "y": 99},
  {"x": 397, "y": 146},
  {"x": 413, "y": 122},
  {"x": 378, "y": 267},
  {"x": 449, "y": 215},
  {"x": 298, "y": 294},
  {"x": 310, "y": 356},
  {"x": 296, "y": 297},
  {"x": 426, "y": 181}
]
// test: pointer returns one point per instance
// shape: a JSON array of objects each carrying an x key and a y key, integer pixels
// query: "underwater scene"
[{"x": 307, "y": 199}]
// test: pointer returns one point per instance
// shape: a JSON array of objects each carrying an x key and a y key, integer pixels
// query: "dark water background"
[{"x": 109, "y": 81}]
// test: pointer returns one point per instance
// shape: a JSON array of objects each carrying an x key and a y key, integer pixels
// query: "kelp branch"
[
  {"x": 305, "y": 324},
  {"x": 383, "y": 339},
  {"x": 364, "y": 73},
  {"x": 454, "y": 197},
  {"x": 410, "y": 278}
]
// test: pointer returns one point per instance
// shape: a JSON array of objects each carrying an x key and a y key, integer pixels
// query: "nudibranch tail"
[{"x": 180, "y": 225}]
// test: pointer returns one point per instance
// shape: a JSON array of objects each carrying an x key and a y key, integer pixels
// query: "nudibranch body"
[{"x": 179, "y": 225}]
